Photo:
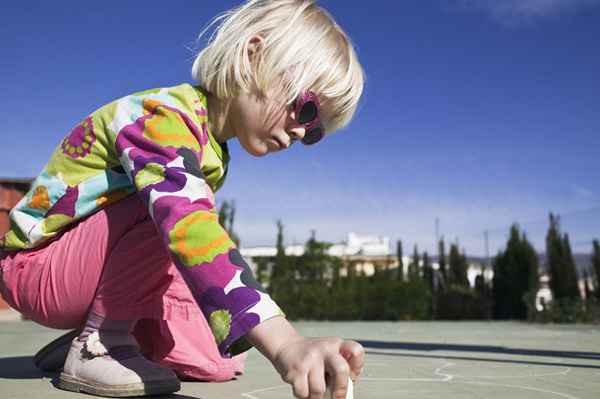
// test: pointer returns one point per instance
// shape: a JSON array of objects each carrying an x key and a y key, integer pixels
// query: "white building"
[{"x": 354, "y": 245}]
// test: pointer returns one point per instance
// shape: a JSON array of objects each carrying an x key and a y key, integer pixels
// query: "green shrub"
[
  {"x": 567, "y": 310},
  {"x": 461, "y": 303}
]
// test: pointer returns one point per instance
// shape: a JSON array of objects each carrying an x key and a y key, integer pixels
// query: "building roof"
[
  {"x": 16, "y": 180},
  {"x": 354, "y": 245}
]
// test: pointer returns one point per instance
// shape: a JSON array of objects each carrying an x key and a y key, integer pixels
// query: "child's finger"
[
  {"x": 339, "y": 372},
  {"x": 316, "y": 383},
  {"x": 354, "y": 353},
  {"x": 300, "y": 386}
]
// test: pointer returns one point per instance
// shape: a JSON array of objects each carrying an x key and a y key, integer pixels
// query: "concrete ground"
[{"x": 453, "y": 360}]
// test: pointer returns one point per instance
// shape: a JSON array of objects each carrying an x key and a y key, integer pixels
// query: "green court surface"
[{"x": 451, "y": 360}]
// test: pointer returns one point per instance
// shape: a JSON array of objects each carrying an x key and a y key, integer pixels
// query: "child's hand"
[{"x": 303, "y": 363}]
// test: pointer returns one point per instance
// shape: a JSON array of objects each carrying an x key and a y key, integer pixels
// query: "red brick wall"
[
  {"x": 8, "y": 198},
  {"x": 10, "y": 194}
]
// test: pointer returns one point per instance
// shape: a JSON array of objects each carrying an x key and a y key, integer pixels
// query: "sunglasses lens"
[
  {"x": 313, "y": 136},
  {"x": 308, "y": 112}
]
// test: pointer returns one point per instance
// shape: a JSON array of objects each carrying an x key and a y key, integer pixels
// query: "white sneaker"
[
  {"x": 90, "y": 368},
  {"x": 52, "y": 356}
]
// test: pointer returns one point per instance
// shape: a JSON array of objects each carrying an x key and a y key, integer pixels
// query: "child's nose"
[{"x": 297, "y": 133}]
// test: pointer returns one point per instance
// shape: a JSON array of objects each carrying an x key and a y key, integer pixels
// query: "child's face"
[{"x": 264, "y": 125}]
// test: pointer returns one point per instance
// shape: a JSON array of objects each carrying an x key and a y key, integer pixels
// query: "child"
[{"x": 119, "y": 238}]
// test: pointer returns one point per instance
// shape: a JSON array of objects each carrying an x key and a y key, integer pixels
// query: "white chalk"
[{"x": 349, "y": 392}]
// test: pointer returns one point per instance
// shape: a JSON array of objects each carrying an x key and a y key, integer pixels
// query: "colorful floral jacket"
[{"x": 156, "y": 143}]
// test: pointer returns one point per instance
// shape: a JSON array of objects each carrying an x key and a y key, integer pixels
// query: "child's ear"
[
  {"x": 254, "y": 45},
  {"x": 253, "y": 49}
]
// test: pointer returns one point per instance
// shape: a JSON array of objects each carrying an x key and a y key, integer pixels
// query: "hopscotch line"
[
  {"x": 564, "y": 395},
  {"x": 564, "y": 372},
  {"x": 250, "y": 395},
  {"x": 564, "y": 384},
  {"x": 448, "y": 378},
  {"x": 525, "y": 387}
]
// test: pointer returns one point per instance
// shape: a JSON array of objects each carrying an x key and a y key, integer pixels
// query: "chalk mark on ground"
[
  {"x": 250, "y": 395},
  {"x": 446, "y": 378},
  {"x": 493, "y": 377}
]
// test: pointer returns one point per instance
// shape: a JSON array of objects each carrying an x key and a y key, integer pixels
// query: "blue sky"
[{"x": 480, "y": 113}]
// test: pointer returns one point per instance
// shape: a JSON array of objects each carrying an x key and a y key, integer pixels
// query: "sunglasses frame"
[{"x": 312, "y": 125}]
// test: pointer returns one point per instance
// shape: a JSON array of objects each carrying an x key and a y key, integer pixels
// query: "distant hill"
[{"x": 583, "y": 261}]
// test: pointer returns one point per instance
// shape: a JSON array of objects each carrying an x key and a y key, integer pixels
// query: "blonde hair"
[{"x": 303, "y": 49}]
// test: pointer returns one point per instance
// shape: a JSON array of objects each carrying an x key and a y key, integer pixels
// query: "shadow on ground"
[
  {"x": 424, "y": 346},
  {"x": 21, "y": 367}
]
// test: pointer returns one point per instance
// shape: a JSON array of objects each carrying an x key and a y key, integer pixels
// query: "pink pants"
[{"x": 114, "y": 263}]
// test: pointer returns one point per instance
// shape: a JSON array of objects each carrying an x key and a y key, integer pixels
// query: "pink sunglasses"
[{"x": 306, "y": 110}]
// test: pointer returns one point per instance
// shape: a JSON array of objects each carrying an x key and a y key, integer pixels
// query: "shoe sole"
[
  {"x": 43, "y": 359},
  {"x": 73, "y": 384}
]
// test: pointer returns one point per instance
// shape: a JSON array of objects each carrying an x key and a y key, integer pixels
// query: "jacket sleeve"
[{"x": 160, "y": 146}]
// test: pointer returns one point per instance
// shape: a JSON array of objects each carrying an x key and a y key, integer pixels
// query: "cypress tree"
[
  {"x": 452, "y": 265},
  {"x": 279, "y": 272},
  {"x": 234, "y": 237},
  {"x": 516, "y": 278},
  {"x": 282, "y": 287},
  {"x": 226, "y": 219},
  {"x": 261, "y": 271},
  {"x": 572, "y": 280},
  {"x": 413, "y": 268},
  {"x": 314, "y": 261},
  {"x": 458, "y": 267},
  {"x": 596, "y": 267},
  {"x": 517, "y": 274},
  {"x": 223, "y": 213},
  {"x": 500, "y": 287},
  {"x": 400, "y": 275},
  {"x": 313, "y": 289},
  {"x": 531, "y": 260},
  {"x": 278, "y": 268},
  {"x": 464, "y": 268},
  {"x": 554, "y": 260},
  {"x": 427, "y": 271},
  {"x": 429, "y": 283},
  {"x": 442, "y": 260}
]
